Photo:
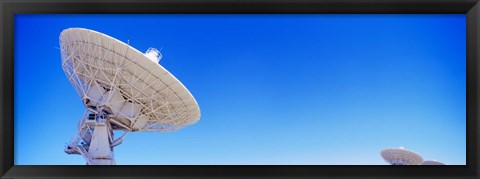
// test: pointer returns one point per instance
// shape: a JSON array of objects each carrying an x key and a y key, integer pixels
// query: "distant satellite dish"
[
  {"x": 401, "y": 156},
  {"x": 122, "y": 89},
  {"x": 432, "y": 162}
]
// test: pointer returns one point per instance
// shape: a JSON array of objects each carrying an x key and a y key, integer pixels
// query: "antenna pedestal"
[
  {"x": 94, "y": 140},
  {"x": 100, "y": 151}
]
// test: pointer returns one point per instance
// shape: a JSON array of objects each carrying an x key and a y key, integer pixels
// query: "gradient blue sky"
[{"x": 272, "y": 89}]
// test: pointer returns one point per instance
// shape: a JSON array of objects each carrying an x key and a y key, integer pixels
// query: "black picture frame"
[{"x": 9, "y": 8}]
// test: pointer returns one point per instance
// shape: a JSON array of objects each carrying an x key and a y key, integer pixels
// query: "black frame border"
[{"x": 9, "y": 8}]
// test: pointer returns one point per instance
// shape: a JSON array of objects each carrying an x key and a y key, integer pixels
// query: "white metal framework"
[
  {"x": 122, "y": 89},
  {"x": 401, "y": 156}
]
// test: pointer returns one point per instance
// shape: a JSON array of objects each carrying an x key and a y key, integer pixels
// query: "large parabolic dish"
[
  {"x": 138, "y": 93},
  {"x": 122, "y": 89},
  {"x": 401, "y": 156}
]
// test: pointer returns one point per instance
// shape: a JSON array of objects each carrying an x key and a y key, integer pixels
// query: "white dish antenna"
[
  {"x": 401, "y": 156},
  {"x": 432, "y": 162},
  {"x": 122, "y": 89}
]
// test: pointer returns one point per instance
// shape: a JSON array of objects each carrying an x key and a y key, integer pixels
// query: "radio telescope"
[
  {"x": 122, "y": 89},
  {"x": 432, "y": 162},
  {"x": 401, "y": 156}
]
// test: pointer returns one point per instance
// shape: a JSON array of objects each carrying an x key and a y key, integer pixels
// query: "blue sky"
[{"x": 272, "y": 89}]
